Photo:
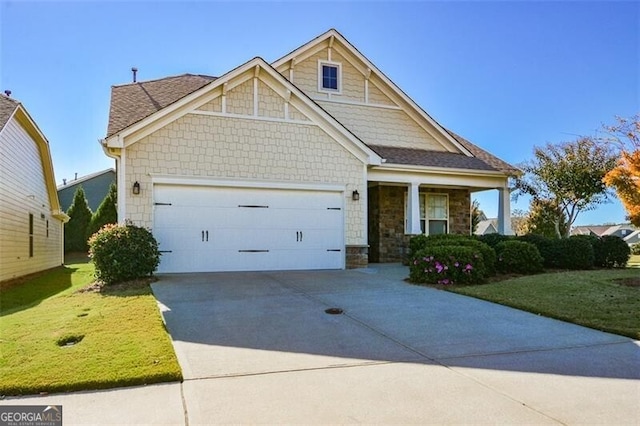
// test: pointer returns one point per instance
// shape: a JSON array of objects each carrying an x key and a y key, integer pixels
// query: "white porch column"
[
  {"x": 413, "y": 209},
  {"x": 504, "y": 211}
]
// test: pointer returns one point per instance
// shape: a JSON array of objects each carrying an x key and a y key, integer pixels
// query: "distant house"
[
  {"x": 633, "y": 238},
  {"x": 95, "y": 186},
  {"x": 487, "y": 226},
  {"x": 621, "y": 231},
  {"x": 31, "y": 220}
]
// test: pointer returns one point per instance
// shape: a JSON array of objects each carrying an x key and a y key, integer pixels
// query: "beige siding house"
[
  {"x": 315, "y": 161},
  {"x": 31, "y": 222}
]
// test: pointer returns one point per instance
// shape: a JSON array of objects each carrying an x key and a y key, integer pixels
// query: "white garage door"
[{"x": 206, "y": 229}]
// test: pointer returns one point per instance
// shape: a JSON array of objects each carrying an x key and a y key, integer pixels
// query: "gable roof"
[
  {"x": 13, "y": 109},
  {"x": 329, "y": 38},
  {"x": 81, "y": 179},
  {"x": 133, "y": 102},
  {"x": 255, "y": 65},
  {"x": 7, "y": 107}
]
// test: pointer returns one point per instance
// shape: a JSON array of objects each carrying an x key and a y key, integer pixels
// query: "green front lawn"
[
  {"x": 591, "y": 298},
  {"x": 124, "y": 341}
]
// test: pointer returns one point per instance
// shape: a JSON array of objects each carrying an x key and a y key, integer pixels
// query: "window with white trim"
[
  {"x": 434, "y": 213},
  {"x": 329, "y": 77}
]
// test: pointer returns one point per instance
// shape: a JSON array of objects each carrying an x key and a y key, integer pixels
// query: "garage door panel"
[{"x": 240, "y": 229}]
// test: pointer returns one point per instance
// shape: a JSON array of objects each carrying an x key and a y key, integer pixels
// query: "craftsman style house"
[{"x": 315, "y": 161}]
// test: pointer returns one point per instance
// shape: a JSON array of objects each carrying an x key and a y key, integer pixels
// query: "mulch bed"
[{"x": 127, "y": 286}]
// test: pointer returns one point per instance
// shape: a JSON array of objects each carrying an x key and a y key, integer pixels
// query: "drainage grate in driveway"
[{"x": 333, "y": 311}]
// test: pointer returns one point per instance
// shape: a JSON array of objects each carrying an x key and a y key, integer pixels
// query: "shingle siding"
[{"x": 225, "y": 147}]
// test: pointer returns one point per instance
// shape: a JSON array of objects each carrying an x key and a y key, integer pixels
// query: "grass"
[
  {"x": 54, "y": 338},
  {"x": 593, "y": 299}
]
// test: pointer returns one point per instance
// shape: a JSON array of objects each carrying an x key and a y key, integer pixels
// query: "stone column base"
[{"x": 357, "y": 256}]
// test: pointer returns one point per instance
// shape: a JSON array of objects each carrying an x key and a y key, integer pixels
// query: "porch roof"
[{"x": 421, "y": 157}]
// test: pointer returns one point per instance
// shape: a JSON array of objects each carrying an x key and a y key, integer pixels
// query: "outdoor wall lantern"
[
  {"x": 136, "y": 188},
  {"x": 355, "y": 196}
]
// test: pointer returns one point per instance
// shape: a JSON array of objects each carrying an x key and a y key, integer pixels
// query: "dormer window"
[{"x": 329, "y": 77}]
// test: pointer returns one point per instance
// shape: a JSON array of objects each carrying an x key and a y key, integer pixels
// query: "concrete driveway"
[{"x": 259, "y": 348}]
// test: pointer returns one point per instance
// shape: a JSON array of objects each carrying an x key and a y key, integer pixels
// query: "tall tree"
[
  {"x": 519, "y": 222},
  {"x": 625, "y": 177},
  {"x": 106, "y": 212},
  {"x": 568, "y": 175},
  {"x": 545, "y": 218},
  {"x": 75, "y": 231},
  {"x": 476, "y": 215}
]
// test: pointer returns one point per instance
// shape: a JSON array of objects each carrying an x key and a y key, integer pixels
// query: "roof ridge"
[{"x": 187, "y": 74}]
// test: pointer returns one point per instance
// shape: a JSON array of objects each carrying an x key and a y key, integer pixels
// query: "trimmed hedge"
[
  {"x": 613, "y": 252},
  {"x": 518, "y": 257},
  {"x": 576, "y": 253},
  {"x": 549, "y": 248},
  {"x": 492, "y": 240},
  {"x": 420, "y": 242},
  {"x": 123, "y": 252},
  {"x": 447, "y": 264}
]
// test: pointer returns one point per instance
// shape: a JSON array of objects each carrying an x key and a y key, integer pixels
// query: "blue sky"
[{"x": 506, "y": 75}]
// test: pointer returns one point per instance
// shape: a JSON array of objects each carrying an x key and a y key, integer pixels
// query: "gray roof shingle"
[
  {"x": 423, "y": 157},
  {"x": 7, "y": 106},
  {"x": 133, "y": 102}
]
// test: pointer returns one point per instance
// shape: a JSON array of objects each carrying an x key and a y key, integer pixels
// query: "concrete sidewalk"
[{"x": 259, "y": 348}]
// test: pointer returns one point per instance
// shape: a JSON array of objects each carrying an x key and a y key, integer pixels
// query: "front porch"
[{"x": 397, "y": 211}]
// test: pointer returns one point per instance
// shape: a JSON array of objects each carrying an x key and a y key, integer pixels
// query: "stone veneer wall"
[{"x": 387, "y": 239}]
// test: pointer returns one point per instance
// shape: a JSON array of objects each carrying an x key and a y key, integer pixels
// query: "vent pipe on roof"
[
  {"x": 64, "y": 181},
  {"x": 76, "y": 178},
  {"x": 8, "y": 93},
  {"x": 134, "y": 70}
]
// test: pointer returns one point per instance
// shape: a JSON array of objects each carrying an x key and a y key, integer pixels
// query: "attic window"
[{"x": 329, "y": 77}]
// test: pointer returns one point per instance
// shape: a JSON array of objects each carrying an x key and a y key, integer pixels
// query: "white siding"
[{"x": 23, "y": 192}]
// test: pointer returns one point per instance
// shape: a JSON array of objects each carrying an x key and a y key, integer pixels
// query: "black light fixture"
[
  {"x": 355, "y": 196},
  {"x": 136, "y": 188}
]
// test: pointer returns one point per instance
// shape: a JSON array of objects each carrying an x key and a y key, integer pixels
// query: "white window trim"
[
  {"x": 426, "y": 211},
  {"x": 338, "y": 65}
]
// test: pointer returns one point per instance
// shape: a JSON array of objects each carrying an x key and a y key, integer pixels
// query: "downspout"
[{"x": 118, "y": 155}]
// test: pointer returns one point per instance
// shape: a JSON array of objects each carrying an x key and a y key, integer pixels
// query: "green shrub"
[
  {"x": 576, "y": 252},
  {"x": 613, "y": 252},
  {"x": 549, "y": 248},
  {"x": 75, "y": 230},
  {"x": 635, "y": 249},
  {"x": 518, "y": 257},
  {"x": 492, "y": 240},
  {"x": 447, "y": 264},
  {"x": 123, "y": 252},
  {"x": 106, "y": 212},
  {"x": 420, "y": 242}
]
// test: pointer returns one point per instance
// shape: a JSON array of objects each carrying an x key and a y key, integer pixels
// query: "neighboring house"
[
  {"x": 31, "y": 221},
  {"x": 487, "y": 226},
  {"x": 621, "y": 231},
  {"x": 95, "y": 186},
  {"x": 315, "y": 161},
  {"x": 633, "y": 238}
]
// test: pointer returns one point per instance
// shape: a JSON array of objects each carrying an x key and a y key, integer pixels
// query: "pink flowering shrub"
[
  {"x": 422, "y": 242},
  {"x": 447, "y": 265}
]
